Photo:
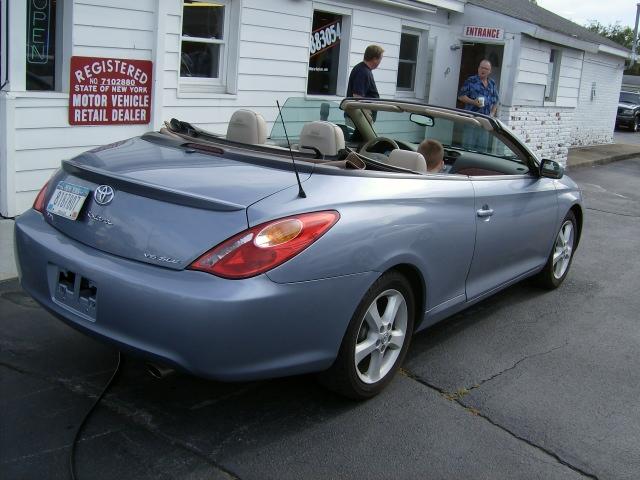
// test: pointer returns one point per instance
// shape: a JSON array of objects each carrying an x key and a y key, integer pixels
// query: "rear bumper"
[{"x": 208, "y": 326}]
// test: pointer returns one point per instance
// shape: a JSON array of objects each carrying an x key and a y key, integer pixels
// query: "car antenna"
[{"x": 301, "y": 193}]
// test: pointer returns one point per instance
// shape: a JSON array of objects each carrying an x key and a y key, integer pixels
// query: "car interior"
[{"x": 367, "y": 135}]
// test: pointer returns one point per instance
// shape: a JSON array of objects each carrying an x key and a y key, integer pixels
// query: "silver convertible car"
[{"x": 321, "y": 247}]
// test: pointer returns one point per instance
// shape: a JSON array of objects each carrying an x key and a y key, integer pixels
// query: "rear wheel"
[
  {"x": 376, "y": 340},
  {"x": 557, "y": 266}
]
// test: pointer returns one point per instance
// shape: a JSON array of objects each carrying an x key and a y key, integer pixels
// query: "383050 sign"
[
  {"x": 325, "y": 37},
  {"x": 108, "y": 91}
]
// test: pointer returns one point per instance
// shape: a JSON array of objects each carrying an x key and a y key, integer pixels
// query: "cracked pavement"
[{"x": 528, "y": 384}]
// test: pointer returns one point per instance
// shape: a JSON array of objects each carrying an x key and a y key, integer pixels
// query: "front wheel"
[
  {"x": 557, "y": 266},
  {"x": 636, "y": 124},
  {"x": 376, "y": 340}
]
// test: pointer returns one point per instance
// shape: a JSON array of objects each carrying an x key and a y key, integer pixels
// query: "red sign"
[
  {"x": 483, "y": 32},
  {"x": 108, "y": 91}
]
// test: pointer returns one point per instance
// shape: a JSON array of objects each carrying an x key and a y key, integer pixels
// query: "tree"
[{"x": 619, "y": 34}]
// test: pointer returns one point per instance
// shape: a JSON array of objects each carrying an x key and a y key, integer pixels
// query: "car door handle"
[{"x": 485, "y": 211}]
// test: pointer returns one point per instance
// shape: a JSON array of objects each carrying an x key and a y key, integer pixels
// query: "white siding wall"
[
  {"x": 368, "y": 28},
  {"x": 274, "y": 54},
  {"x": 595, "y": 117},
  {"x": 272, "y": 63},
  {"x": 533, "y": 71},
  {"x": 42, "y": 136}
]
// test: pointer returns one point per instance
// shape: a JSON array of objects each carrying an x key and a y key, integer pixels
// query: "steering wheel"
[{"x": 374, "y": 141}]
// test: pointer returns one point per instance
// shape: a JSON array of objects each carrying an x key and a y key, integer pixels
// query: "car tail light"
[
  {"x": 265, "y": 246},
  {"x": 38, "y": 203}
]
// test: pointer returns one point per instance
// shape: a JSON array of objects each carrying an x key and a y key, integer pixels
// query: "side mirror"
[{"x": 551, "y": 169}]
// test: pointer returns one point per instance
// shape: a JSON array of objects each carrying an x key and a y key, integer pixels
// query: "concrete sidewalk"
[
  {"x": 578, "y": 158},
  {"x": 7, "y": 263}
]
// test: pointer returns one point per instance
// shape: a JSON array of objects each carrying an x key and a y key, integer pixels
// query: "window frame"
[
  {"x": 60, "y": 63},
  {"x": 421, "y": 78},
  {"x": 16, "y": 48},
  {"x": 413, "y": 33},
  {"x": 553, "y": 75},
  {"x": 206, "y": 85},
  {"x": 345, "y": 50}
]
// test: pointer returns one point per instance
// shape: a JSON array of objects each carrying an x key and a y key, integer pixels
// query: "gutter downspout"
[
  {"x": 634, "y": 41},
  {"x": 6, "y": 45}
]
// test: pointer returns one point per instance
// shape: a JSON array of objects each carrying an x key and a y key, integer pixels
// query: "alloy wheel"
[
  {"x": 381, "y": 336},
  {"x": 563, "y": 249}
]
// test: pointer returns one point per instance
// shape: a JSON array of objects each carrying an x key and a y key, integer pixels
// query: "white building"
[
  {"x": 209, "y": 58},
  {"x": 559, "y": 82}
]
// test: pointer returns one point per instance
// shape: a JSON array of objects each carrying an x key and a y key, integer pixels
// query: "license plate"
[{"x": 67, "y": 200}]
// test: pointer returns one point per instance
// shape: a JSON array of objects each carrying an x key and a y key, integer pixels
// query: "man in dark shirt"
[{"x": 361, "y": 81}]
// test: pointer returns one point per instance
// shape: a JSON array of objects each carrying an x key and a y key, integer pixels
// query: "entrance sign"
[
  {"x": 490, "y": 33},
  {"x": 109, "y": 91}
]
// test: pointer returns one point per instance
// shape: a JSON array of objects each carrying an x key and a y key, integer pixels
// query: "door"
[
  {"x": 472, "y": 55},
  {"x": 516, "y": 218}
]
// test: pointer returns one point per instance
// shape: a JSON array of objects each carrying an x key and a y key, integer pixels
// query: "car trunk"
[{"x": 170, "y": 204}]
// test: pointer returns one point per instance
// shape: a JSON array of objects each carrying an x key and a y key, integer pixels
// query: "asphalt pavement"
[
  {"x": 528, "y": 384},
  {"x": 626, "y": 136}
]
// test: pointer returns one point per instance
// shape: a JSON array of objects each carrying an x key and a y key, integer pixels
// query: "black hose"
[{"x": 72, "y": 467}]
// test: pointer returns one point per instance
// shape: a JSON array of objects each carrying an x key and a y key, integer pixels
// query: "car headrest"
[
  {"x": 406, "y": 159},
  {"x": 327, "y": 137},
  {"x": 247, "y": 126}
]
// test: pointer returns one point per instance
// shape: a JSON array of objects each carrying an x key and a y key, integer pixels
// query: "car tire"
[
  {"x": 378, "y": 336},
  {"x": 636, "y": 124},
  {"x": 561, "y": 256}
]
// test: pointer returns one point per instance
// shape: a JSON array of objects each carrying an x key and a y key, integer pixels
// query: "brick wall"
[
  {"x": 550, "y": 131},
  {"x": 595, "y": 116},
  {"x": 545, "y": 130}
]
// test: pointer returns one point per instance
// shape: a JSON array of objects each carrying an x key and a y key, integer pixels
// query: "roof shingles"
[{"x": 530, "y": 12}]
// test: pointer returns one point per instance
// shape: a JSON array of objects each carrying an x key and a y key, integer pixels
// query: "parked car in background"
[
  {"x": 629, "y": 111},
  {"x": 220, "y": 256}
]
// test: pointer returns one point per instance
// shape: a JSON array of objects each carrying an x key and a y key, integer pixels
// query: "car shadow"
[
  {"x": 523, "y": 292},
  {"x": 215, "y": 420}
]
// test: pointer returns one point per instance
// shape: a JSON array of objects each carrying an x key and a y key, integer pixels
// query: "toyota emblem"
[{"x": 103, "y": 195}]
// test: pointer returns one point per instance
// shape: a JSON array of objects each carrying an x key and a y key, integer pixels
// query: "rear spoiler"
[{"x": 149, "y": 190}]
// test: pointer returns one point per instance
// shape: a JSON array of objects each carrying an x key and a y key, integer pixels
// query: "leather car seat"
[
  {"x": 247, "y": 126},
  {"x": 407, "y": 159},
  {"x": 327, "y": 137}
]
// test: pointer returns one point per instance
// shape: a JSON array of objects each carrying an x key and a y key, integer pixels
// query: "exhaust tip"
[{"x": 158, "y": 371}]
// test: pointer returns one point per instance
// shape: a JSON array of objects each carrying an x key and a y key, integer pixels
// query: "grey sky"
[{"x": 605, "y": 11}]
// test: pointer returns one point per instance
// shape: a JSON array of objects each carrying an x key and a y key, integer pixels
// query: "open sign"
[{"x": 38, "y": 31}]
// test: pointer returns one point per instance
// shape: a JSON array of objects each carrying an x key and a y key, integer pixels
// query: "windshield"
[
  {"x": 296, "y": 112},
  {"x": 630, "y": 97},
  {"x": 452, "y": 134}
]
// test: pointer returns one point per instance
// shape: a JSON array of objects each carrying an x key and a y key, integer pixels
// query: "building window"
[
  {"x": 409, "y": 43},
  {"x": 42, "y": 18},
  {"x": 553, "y": 75},
  {"x": 326, "y": 54},
  {"x": 205, "y": 44}
]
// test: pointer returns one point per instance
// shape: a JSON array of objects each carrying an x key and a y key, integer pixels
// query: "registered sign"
[{"x": 107, "y": 91}]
